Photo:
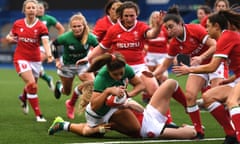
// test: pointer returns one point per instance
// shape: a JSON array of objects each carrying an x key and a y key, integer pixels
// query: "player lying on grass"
[{"x": 127, "y": 117}]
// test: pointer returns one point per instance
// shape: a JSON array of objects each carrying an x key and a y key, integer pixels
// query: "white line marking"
[{"x": 150, "y": 141}]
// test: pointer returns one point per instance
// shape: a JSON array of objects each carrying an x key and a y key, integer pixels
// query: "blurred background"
[{"x": 10, "y": 10}]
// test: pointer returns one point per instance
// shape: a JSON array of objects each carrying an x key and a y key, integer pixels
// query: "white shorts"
[
  {"x": 23, "y": 66},
  {"x": 219, "y": 73},
  {"x": 94, "y": 119},
  {"x": 154, "y": 59},
  {"x": 138, "y": 69},
  {"x": 234, "y": 83},
  {"x": 153, "y": 122},
  {"x": 70, "y": 71}
]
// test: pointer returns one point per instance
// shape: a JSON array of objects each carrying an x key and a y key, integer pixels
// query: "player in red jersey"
[
  {"x": 104, "y": 23},
  {"x": 193, "y": 40},
  {"x": 127, "y": 37},
  {"x": 156, "y": 49},
  {"x": 27, "y": 33},
  {"x": 220, "y": 26}
]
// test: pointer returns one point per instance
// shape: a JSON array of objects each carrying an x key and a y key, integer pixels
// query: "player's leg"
[
  {"x": 233, "y": 106},
  {"x": 154, "y": 118},
  {"x": 31, "y": 89},
  {"x": 84, "y": 89},
  {"x": 65, "y": 85},
  {"x": 29, "y": 72},
  {"x": 183, "y": 132},
  {"x": 193, "y": 87},
  {"x": 213, "y": 99},
  {"x": 125, "y": 122},
  {"x": 79, "y": 128},
  {"x": 161, "y": 98},
  {"x": 151, "y": 86},
  {"x": 70, "y": 103}
]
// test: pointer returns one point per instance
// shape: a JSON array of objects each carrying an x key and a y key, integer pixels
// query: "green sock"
[{"x": 45, "y": 77}]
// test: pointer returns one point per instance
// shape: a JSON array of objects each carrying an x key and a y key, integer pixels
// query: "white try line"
[{"x": 150, "y": 141}]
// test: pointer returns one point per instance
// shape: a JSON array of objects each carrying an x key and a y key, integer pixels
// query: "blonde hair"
[
  {"x": 150, "y": 21},
  {"x": 27, "y": 1},
  {"x": 79, "y": 16},
  {"x": 86, "y": 89}
]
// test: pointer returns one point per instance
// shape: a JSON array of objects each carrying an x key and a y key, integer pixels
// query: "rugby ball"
[{"x": 114, "y": 101}]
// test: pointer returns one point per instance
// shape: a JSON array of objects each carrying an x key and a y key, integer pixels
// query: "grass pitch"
[{"x": 15, "y": 127}]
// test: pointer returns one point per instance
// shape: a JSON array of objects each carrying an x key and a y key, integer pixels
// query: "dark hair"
[
  {"x": 109, "y": 5},
  {"x": 176, "y": 18},
  {"x": 225, "y": 18},
  {"x": 173, "y": 14},
  {"x": 125, "y": 5},
  {"x": 174, "y": 9},
  {"x": 205, "y": 8},
  {"x": 113, "y": 62}
]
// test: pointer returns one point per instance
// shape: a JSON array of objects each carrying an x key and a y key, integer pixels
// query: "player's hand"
[
  {"x": 117, "y": 91},
  {"x": 50, "y": 59},
  {"x": 105, "y": 127},
  {"x": 82, "y": 61},
  {"x": 11, "y": 38},
  {"x": 58, "y": 64},
  {"x": 158, "y": 18},
  {"x": 148, "y": 74},
  {"x": 181, "y": 70},
  {"x": 197, "y": 60},
  {"x": 162, "y": 14}
]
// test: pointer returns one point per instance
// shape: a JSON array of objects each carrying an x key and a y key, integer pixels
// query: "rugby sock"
[
  {"x": 205, "y": 89},
  {"x": 194, "y": 114},
  {"x": 169, "y": 117},
  {"x": 235, "y": 115},
  {"x": 45, "y": 77},
  {"x": 179, "y": 96},
  {"x": 74, "y": 97},
  {"x": 66, "y": 126},
  {"x": 33, "y": 100},
  {"x": 146, "y": 97},
  {"x": 221, "y": 115}
]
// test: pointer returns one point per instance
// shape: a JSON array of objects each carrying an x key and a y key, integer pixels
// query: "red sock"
[
  {"x": 220, "y": 114},
  {"x": 205, "y": 89},
  {"x": 194, "y": 114},
  {"x": 74, "y": 98},
  {"x": 235, "y": 114},
  {"x": 146, "y": 97},
  {"x": 35, "y": 105},
  {"x": 169, "y": 117},
  {"x": 179, "y": 96}
]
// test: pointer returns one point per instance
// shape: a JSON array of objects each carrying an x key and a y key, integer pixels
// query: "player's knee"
[
  {"x": 32, "y": 88},
  {"x": 231, "y": 103}
]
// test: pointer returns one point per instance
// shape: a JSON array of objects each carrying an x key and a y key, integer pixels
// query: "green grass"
[{"x": 15, "y": 127}]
